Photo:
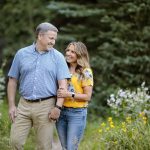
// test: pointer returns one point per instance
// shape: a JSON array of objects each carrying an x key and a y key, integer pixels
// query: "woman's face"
[{"x": 71, "y": 56}]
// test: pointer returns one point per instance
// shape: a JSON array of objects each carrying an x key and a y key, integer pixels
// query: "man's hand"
[
  {"x": 54, "y": 114},
  {"x": 12, "y": 113}
]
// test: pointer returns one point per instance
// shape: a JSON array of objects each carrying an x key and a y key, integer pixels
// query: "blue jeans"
[{"x": 70, "y": 127}]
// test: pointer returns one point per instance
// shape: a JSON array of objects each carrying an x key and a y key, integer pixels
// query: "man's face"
[{"x": 47, "y": 39}]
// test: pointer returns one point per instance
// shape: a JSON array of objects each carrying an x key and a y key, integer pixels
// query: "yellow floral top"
[{"x": 76, "y": 84}]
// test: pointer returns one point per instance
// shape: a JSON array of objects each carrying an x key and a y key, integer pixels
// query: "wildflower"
[
  {"x": 107, "y": 129},
  {"x": 103, "y": 124},
  {"x": 124, "y": 129},
  {"x": 109, "y": 119},
  {"x": 112, "y": 95},
  {"x": 122, "y": 93},
  {"x": 141, "y": 114},
  {"x": 100, "y": 130},
  {"x": 128, "y": 120},
  {"x": 112, "y": 125},
  {"x": 127, "y": 102},
  {"x": 123, "y": 124},
  {"x": 144, "y": 120}
]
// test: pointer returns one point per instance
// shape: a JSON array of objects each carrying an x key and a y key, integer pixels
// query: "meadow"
[{"x": 127, "y": 127}]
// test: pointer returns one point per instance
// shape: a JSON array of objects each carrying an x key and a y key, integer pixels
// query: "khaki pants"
[{"x": 36, "y": 115}]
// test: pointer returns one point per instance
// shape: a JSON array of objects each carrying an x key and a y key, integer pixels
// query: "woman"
[{"x": 72, "y": 120}]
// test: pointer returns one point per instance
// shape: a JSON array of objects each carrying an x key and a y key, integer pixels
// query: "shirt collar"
[{"x": 34, "y": 48}]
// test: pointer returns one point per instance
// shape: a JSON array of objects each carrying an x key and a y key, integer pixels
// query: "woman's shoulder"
[
  {"x": 87, "y": 72},
  {"x": 87, "y": 69}
]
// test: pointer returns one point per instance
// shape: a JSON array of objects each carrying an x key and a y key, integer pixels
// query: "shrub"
[{"x": 127, "y": 102}]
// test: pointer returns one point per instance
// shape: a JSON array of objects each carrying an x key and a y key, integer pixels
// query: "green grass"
[
  {"x": 4, "y": 127},
  {"x": 88, "y": 141}
]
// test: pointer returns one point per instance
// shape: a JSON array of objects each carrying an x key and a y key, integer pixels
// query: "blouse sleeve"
[{"x": 88, "y": 77}]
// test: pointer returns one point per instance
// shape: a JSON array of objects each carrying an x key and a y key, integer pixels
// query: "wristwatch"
[{"x": 73, "y": 95}]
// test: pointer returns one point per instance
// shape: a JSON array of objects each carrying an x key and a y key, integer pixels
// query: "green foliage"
[{"x": 17, "y": 29}]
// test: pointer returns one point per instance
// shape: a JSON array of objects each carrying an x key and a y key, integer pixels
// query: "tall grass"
[
  {"x": 4, "y": 127},
  {"x": 129, "y": 134}
]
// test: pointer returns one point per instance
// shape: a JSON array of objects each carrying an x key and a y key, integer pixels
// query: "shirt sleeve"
[
  {"x": 63, "y": 70},
  {"x": 88, "y": 77},
  {"x": 14, "y": 70}
]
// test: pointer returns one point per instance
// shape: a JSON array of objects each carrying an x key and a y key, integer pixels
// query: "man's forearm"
[
  {"x": 11, "y": 91},
  {"x": 60, "y": 102}
]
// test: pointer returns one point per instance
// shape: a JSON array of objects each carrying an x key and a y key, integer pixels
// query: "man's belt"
[{"x": 39, "y": 100}]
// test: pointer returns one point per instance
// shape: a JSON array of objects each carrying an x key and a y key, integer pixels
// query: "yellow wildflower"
[
  {"x": 142, "y": 114},
  {"x": 112, "y": 126},
  {"x": 128, "y": 120},
  {"x": 144, "y": 120},
  {"x": 100, "y": 130},
  {"x": 103, "y": 124},
  {"x": 110, "y": 119},
  {"x": 124, "y": 129},
  {"x": 123, "y": 124}
]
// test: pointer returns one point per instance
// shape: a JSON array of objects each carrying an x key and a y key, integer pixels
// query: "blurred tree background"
[{"x": 116, "y": 32}]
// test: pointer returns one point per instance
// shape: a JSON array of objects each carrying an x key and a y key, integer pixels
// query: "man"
[{"x": 40, "y": 70}]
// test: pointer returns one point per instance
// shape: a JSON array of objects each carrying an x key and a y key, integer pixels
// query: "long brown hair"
[{"x": 82, "y": 56}]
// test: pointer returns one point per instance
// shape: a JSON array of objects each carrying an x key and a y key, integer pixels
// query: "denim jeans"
[{"x": 70, "y": 127}]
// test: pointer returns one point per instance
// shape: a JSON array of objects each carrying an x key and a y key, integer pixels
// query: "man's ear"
[{"x": 39, "y": 36}]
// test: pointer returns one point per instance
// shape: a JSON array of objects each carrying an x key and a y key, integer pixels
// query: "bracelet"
[{"x": 60, "y": 108}]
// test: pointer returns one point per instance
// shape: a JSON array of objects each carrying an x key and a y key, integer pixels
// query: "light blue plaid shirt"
[{"x": 38, "y": 73}]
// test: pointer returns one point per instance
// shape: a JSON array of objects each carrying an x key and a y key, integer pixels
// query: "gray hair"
[{"x": 44, "y": 27}]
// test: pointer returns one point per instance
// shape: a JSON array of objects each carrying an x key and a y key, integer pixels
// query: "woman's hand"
[{"x": 63, "y": 93}]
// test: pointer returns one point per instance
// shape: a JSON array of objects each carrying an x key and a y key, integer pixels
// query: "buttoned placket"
[{"x": 35, "y": 78}]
